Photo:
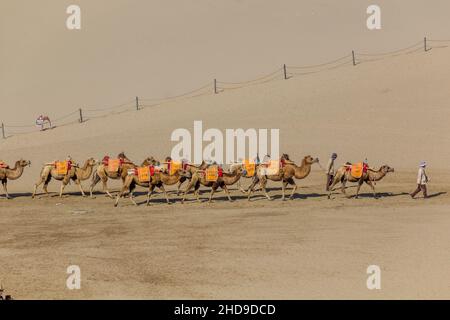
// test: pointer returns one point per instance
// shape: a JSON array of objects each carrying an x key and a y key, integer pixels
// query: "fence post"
[
  {"x": 425, "y": 44},
  {"x": 284, "y": 70},
  {"x": 353, "y": 56},
  {"x": 137, "y": 103},
  {"x": 215, "y": 86},
  {"x": 81, "y": 115},
  {"x": 3, "y": 131}
]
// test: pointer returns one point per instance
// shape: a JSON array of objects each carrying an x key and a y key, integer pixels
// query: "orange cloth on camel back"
[
  {"x": 3, "y": 165},
  {"x": 114, "y": 165},
  {"x": 358, "y": 169},
  {"x": 63, "y": 167},
  {"x": 212, "y": 173}
]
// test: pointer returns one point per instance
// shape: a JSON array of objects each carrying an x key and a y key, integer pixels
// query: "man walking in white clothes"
[{"x": 422, "y": 180}]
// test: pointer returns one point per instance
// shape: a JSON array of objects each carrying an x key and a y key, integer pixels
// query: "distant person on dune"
[
  {"x": 422, "y": 180},
  {"x": 41, "y": 120}
]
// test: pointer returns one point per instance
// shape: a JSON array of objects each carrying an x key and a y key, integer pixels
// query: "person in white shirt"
[
  {"x": 422, "y": 180},
  {"x": 330, "y": 170}
]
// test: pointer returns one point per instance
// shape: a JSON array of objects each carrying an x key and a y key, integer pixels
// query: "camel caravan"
[{"x": 152, "y": 174}]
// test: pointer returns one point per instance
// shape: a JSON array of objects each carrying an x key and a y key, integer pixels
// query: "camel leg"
[
  {"x": 150, "y": 192},
  {"x": 263, "y": 188},
  {"x": 360, "y": 182},
  {"x": 45, "y": 188},
  {"x": 165, "y": 193},
  {"x": 197, "y": 191},
  {"x": 225, "y": 188},
  {"x": 213, "y": 189},
  {"x": 283, "y": 189},
  {"x": 373, "y": 188},
  {"x": 105, "y": 188},
  {"x": 95, "y": 180},
  {"x": 294, "y": 188},
  {"x": 132, "y": 198},
  {"x": 37, "y": 184},
  {"x": 182, "y": 180},
  {"x": 63, "y": 185},
  {"x": 5, "y": 189},
  {"x": 344, "y": 182},
  {"x": 77, "y": 182},
  {"x": 251, "y": 188},
  {"x": 119, "y": 195},
  {"x": 186, "y": 191}
]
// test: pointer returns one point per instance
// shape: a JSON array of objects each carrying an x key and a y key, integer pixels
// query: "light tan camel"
[
  {"x": 159, "y": 179},
  {"x": 343, "y": 175},
  {"x": 12, "y": 174},
  {"x": 223, "y": 182},
  {"x": 286, "y": 176},
  {"x": 76, "y": 174},
  {"x": 102, "y": 174}
]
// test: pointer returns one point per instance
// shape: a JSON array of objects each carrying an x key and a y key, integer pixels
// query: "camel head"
[
  {"x": 149, "y": 161},
  {"x": 91, "y": 162},
  {"x": 237, "y": 168},
  {"x": 385, "y": 168},
  {"x": 24, "y": 163},
  {"x": 310, "y": 160},
  {"x": 123, "y": 157}
]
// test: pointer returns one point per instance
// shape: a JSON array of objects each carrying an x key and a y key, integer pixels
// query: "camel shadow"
[
  {"x": 18, "y": 195},
  {"x": 380, "y": 194},
  {"x": 300, "y": 195}
]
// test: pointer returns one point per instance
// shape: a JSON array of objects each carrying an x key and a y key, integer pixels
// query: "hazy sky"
[{"x": 156, "y": 48}]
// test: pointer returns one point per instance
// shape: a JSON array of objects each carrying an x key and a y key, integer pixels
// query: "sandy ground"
[{"x": 310, "y": 247}]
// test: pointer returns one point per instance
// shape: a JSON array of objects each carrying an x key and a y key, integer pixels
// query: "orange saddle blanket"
[
  {"x": 357, "y": 170},
  {"x": 250, "y": 168},
  {"x": 212, "y": 173},
  {"x": 62, "y": 167},
  {"x": 113, "y": 165}
]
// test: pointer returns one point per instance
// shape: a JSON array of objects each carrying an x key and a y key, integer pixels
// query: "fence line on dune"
[{"x": 285, "y": 72}]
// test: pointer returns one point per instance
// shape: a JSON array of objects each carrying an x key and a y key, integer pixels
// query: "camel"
[
  {"x": 159, "y": 179},
  {"x": 102, "y": 173},
  {"x": 344, "y": 175},
  {"x": 12, "y": 174},
  {"x": 284, "y": 157},
  {"x": 227, "y": 179},
  {"x": 286, "y": 175},
  {"x": 76, "y": 174}
]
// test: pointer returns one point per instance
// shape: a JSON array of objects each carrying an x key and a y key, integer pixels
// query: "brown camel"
[
  {"x": 227, "y": 179},
  {"x": 76, "y": 174},
  {"x": 343, "y": 175},
  {"x": 284, "y": 157},
  {"x": 102, "y": 173},
  {"x": 12, "y": 174},
  {"x": 159, "y": 179},
  {"x": 286, "y": 175}
]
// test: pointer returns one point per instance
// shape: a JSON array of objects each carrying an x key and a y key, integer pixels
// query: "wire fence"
[{"x": 215, "y": 87}]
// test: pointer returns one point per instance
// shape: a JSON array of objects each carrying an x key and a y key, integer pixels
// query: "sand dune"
[{"x": 377, "y": 110}]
